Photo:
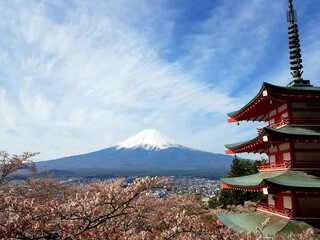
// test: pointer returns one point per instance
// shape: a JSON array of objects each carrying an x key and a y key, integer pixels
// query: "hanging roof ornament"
[{"x": 295, "y": 51}]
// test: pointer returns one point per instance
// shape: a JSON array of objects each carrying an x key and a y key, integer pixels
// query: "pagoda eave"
[
  {"x": 256, "y": 147},
  {"x": 231, "y": 120},
  {"x": 250, "y": 189}
]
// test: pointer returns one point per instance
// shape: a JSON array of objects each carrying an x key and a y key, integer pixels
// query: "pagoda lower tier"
[{"x": 289, "y": 194}]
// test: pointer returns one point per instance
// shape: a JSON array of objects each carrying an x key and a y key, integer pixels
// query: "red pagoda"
[{"x": 291, "y": 140}]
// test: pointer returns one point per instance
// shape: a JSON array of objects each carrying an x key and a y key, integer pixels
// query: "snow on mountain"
[{"x": 149, "y": 139}]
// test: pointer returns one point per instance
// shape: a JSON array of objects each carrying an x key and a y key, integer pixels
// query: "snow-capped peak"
[{"x": 149, "y": 139}]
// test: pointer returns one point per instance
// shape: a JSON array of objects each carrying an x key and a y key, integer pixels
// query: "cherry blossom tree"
[
  {"x": 11, "y": 164},
  {"x": 46, "y": 209}
]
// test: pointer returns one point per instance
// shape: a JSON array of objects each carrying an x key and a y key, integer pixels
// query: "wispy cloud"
[{"x": 77, "y": 76}]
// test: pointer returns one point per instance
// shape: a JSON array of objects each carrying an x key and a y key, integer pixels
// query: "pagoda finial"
[
  {"x": 291, "y": 14},
  {"x": 295, "y": 51}
]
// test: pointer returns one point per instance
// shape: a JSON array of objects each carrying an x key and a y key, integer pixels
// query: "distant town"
[{"x": 202, "y": 187}]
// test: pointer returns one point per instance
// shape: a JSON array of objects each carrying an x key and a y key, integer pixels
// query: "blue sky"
[{"x": 79, "y": 76}]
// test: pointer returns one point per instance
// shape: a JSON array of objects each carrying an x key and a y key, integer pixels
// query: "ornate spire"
[{"x": 295, "y": 51}]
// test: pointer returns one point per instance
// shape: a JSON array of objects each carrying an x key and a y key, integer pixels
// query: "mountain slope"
[{"x": 146, "y": 152}]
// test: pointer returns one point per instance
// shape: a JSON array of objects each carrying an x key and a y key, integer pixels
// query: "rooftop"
[{"x": 275, "y": 225}]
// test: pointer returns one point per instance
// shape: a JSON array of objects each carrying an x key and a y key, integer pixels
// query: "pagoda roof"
[
  {"x": 291, "y": 179},
  {"x": 272, "y": 96},
  {"x": 261, "y": 143},
  {"x": 249, "y": 222}
]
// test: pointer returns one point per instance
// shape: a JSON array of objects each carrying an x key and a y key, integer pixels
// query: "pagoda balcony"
[
  {"x": 282, "y": 212},
  {"x": 280, "y": 123},
  {"x": 274, "y": 166}
]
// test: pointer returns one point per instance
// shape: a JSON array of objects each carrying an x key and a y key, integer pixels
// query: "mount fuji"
[{"x": 147, "y": 153}]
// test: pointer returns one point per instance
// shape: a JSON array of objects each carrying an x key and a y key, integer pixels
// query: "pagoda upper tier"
[
  {"x": 271, "y": 137},
  {"x": 281, "y": 105}
]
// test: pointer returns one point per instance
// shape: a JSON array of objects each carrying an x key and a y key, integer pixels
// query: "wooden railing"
[
  {"x": 277, "y": 124},
  {"x": 272, "y": 209},
  {"x": 270, "y": 166}
]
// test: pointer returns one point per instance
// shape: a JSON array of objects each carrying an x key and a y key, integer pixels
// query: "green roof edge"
[{"x": 294, "y": 179}]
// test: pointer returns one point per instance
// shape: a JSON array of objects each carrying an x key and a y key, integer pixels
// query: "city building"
[{"x": 291, "y": 140}]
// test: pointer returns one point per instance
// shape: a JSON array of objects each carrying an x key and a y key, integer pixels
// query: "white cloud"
[{"x": 77, "y": 77}]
